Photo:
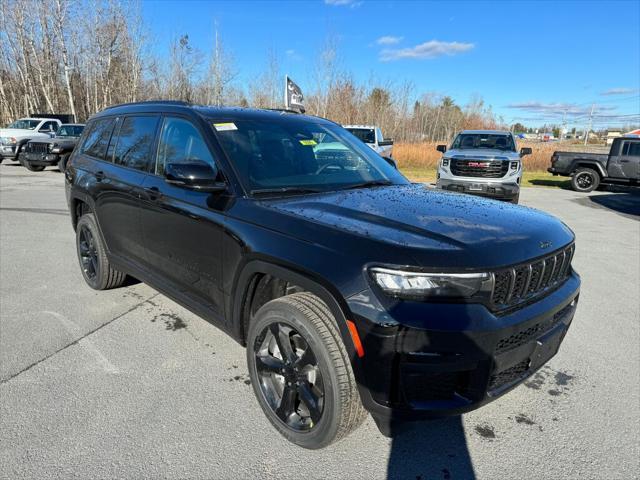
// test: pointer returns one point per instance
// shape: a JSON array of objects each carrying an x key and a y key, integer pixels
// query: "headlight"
[
  {"x": 445, "y": 162},
  {"x": 8, "y": 141},
  {"x": 56, "y": 149},
  {"x": 23, "y": 147},
  {"x": 419, "y": 285},
  {"x": 514, "y": 165}
]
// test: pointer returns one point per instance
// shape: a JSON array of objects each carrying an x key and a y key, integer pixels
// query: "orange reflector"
[{"x": 356, "y": 338}]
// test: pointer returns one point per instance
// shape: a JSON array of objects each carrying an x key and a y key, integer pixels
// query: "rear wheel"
[
  {"x": 585, "y": 180},
  {"x": 96, "y": 270},
  {"x": 301, "y": 373}
]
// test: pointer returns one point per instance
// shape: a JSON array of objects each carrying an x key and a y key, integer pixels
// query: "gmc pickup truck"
[
  {"x": 589, "y": 170},
  {"x": 21, "y": 131}
]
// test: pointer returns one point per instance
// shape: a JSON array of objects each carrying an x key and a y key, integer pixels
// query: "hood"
[
  {"x": 484, "y": 153},
  {"x": 63, "y": 142},
  {"x": 20, "y": 132},
  {"x": 433, "y": 228}
]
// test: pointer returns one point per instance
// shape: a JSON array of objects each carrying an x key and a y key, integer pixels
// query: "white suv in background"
[
  {"x": 21, "y": 131},
  {"x": 372, "y": 136},
  {"x": 482, "y": 162}
]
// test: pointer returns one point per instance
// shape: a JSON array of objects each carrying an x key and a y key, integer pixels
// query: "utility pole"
[{"x": 586, "y": 134}]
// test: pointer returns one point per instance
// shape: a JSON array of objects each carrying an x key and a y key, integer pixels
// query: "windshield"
[
  {"x": 484, "y": 140},
  {"x": 25, "y": 124},
  {"x": 70, "y": 131},
  {"x": 367, "y": 135},
  {"x": 296, "y": 154}
]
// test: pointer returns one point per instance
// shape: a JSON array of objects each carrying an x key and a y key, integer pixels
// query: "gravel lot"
[{"x": 127, "y": 384}]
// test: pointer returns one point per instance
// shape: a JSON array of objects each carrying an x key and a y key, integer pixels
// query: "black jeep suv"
[
  {"x": 352, "y": 289},
  {"x": 40, "y": 153}
]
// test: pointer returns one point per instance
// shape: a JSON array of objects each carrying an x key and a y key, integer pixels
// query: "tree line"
[{"x": 80, "y": 56}]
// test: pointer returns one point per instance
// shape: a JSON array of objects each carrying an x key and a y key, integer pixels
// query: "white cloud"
[
  {"x": 426, "y": 50},
  {"x": 292, "y": 54},
  {"x": 343, "y": 3},
  {"x": 557, "y": 108},
  {"x": 619, "y": 91},
  {"x": 389, "y": 40}
]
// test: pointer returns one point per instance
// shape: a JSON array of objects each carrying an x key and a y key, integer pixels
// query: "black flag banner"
[{"x": 294, "y": 100}]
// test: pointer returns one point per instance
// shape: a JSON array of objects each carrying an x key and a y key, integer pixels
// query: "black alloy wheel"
[
  {"x": 300, "y": 371},
  {"x": 290, "y": 378},
  {"x": 585, "y": 180},
  {"x": 88, "y": 253}
]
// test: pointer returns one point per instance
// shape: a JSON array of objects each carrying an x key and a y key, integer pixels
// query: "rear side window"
[
  {"x": 181, "y": 142},
  {"x": 97, "y": 141},
  {"x": 631, "y": 149},
  {"x": 134, "y": 143}
]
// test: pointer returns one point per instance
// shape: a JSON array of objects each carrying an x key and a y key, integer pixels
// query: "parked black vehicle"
[
  {"x": 349, "y": 286},
  {"x": 589, "y": 170},
  {"x": 39, "y": 153}
]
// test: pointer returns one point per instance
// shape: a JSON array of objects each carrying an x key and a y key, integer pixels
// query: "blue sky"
[{"x": 531, "y": 61}]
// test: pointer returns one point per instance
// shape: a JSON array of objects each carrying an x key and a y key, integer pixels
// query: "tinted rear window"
[
  {"x": 134, "y": 142},
  {"x": 97, "y": 141}
]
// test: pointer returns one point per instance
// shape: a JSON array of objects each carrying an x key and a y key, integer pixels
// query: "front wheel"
[
  {"x": 585, "y": 180},
  {"x": 95, "y": 266},
  {"x": 32, "y": 168},
  {"x": 300, "y": 371}
]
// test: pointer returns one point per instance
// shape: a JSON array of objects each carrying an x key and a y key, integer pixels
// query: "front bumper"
[
  {"x": 40, "y": 159},
  {"x": 428, "y": 360},
  {"x": 479, "y": 186},
  {"x": 7, "y": 151}
]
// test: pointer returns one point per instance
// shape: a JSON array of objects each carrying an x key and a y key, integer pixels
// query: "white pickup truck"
[
  {"x": 372, "y": 136},
  {"x": 21, "y": 131}
]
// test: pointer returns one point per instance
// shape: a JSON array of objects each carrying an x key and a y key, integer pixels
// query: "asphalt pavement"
[{"x": 127, "y": 384}]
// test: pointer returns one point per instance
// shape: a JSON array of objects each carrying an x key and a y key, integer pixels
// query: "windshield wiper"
[
  {"x": 266, "y": 191},
  {"x": 371, "y": 183}
]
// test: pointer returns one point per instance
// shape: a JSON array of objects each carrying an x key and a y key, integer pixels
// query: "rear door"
[
  {"x": 123, "y": 151},
  {"x": 629, "y": 159},
  {"x": 183, "y": 228}
]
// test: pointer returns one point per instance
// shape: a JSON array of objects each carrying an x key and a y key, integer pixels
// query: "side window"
[
  {"x": 135, "y": 139},
  {"x": 49, "y": 127},
  {"x": 631, "y": 149},
  {"x": 97, "y": 140},
  {"x": 181, "y": 142}
]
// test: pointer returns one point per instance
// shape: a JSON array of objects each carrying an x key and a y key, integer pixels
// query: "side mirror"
[
  {"x": 386, "y": 142},
  {"x": 525, "y": 151},
  {"x": 441, "y": 148},
  {"x": 391, "y": 162},
  {"x": 194, "y": 175}
]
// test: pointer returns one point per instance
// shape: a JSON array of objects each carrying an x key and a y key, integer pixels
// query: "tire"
[
  {"x": 306, "y": 323},
  {"x": 32, "y": 168},
  {"x": 62, "y": 163},
  {"x": 95, "y": 267},
  {"x": 585, "y": 180},
  {"x": 515, "y": 200}
]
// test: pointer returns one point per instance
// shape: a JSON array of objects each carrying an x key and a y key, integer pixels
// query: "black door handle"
[
  {"x": 152, "y": 193},
  {"x": 624, "y": 161},
  {"x": 99, "y": 176}
]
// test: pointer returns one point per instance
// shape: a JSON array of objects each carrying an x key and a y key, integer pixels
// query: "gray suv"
[{"x": 482, "y": 162}]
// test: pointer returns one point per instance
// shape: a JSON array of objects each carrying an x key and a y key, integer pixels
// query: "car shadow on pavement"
[
  {"x": 551, "y": 182},
  {"x": 435, "y": 449},
  {"x": 627, "y": 204}
]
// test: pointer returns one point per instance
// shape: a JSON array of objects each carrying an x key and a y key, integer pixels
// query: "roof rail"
[
  {"x": 283, "y": 110},
  {"x": 151, "y": 102}
]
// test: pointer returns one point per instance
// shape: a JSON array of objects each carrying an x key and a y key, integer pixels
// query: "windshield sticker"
[
  {"x": 309, "y": 143},
  {"x": 225, "y": 127}
]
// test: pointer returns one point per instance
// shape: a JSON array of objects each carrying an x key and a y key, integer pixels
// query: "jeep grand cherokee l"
[{"x": 352, "y": 289}]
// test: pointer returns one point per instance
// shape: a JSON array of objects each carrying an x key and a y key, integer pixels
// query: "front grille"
[
  {"x": 479, "y": 168},
  {"x": 528, "y": 334},
  {"x": 423, "y": 387},
  {"x": 515, "y": 285},
  {"x": 34, "y": 147},
  {"x": 509, "y": 375}
]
